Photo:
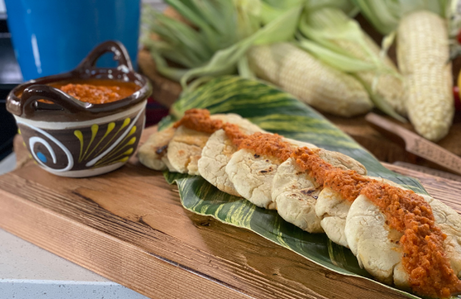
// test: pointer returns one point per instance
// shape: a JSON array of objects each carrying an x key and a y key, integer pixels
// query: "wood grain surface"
[{"x": 130, "y": 227}]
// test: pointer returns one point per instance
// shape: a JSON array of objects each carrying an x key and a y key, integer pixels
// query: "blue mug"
[{"x": 52, "y": 36}]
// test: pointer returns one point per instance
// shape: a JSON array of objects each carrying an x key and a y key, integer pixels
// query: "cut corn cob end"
[{"x": 308, "y": 79}]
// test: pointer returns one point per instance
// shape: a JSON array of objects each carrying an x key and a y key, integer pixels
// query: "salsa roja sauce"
[
  {"x": 97, "y": 91},
  {"x": 267, "y": 144},
  {"x": 423, "y": 258},
  {"x": 199, "y": 120},
  {"x": 271, "y": 145}
]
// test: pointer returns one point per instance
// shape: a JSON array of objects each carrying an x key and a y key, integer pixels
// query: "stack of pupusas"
[{"x": 402, "y": 238}]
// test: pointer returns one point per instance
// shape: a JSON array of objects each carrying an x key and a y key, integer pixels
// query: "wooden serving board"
[{"x": 130, "y": 227}]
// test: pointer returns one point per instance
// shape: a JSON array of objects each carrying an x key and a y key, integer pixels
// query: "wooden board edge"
[{"x": 76, "y": 242}]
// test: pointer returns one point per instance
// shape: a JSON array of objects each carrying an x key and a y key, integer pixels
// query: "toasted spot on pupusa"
[
  {"x": 376, "y": 245},
  {"x": 252, "y": 174},
  {"x": 153, "y": 153},
  {"x": 215, "y": 156},
  {"x": 217, "y": 153},
  {"x": 332, "y": 208},
  {"x": 295, "y": 194},
  {"x": 185, "y": 148}
]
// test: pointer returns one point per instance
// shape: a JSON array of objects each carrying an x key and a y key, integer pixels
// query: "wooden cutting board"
[{"x": 130, "y": 227}]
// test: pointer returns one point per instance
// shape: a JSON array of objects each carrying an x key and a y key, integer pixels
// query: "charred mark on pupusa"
[
  {"x": 307, "y": 191},
  {"x": 270, "y": 169},
  {"x": 161, "y": 150}
]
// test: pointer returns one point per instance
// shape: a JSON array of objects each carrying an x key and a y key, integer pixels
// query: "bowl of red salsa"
[{"x": 85, "y": 122}]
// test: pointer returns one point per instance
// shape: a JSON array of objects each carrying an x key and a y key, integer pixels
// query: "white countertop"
[{"x": 27, "y": 271}]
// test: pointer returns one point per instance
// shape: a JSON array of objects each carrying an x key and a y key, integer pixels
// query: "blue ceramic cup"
[{"x": 53, "y": 36}]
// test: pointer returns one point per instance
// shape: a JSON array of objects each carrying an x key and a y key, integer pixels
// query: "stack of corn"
[
  {"x": 423, "y": 58},
  {"x": 345, "y": 90},
  {"x": 324, "y": 84}
]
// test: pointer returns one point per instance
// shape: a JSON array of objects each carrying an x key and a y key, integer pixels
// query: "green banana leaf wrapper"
[{"x": 277, "y": 112}]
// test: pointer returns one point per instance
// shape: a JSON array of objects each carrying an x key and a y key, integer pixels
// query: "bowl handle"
[
  {"x": 120, "y": 55},
  {"x": 26, "y": 106}
]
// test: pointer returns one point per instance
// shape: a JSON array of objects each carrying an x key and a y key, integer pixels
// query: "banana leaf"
[{"x": 278, "y": 112}]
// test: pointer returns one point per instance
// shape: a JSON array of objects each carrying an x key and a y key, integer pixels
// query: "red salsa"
[{"x": 97, "y": 91}]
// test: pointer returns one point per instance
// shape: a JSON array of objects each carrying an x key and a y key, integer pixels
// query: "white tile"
[
  {"x": 27, "y": 271},
  {"x": 23, "y": 260},
  {"x": 59, "y": 290}
]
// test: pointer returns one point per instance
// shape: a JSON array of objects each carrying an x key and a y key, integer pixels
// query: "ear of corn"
[
  {"x": 423, "y": 56},
  {"x": 310, "y": 80},
  {"x": 333, "y": 29}
]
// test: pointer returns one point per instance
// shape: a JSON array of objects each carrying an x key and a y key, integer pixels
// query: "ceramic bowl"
[{"x": 68, "y": 137}]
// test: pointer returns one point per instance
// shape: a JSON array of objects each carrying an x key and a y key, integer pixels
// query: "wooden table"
[{"x": 130, "y": 227}]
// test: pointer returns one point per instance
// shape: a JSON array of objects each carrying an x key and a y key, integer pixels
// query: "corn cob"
[
  {"x": 423, "y": 55},
  {"x": 385, "y": 85},
  {"x": 311, "y": 81}
]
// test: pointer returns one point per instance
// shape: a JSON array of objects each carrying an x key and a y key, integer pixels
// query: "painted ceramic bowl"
[{"x": 70, "y": 137}]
